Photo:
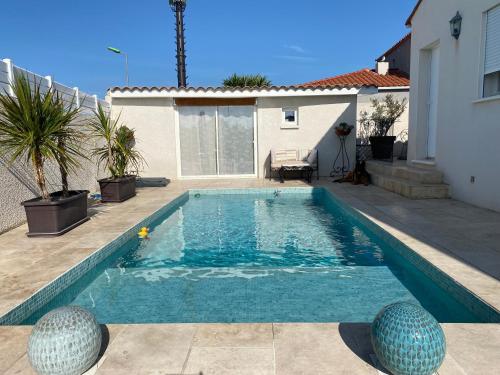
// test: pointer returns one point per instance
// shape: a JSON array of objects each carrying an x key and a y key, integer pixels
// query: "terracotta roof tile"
[{"x": 366, "y": 78}]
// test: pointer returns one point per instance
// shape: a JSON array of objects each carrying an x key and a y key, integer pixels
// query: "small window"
[
  {"x": 491, "y": 83},
  {"x": 290, "y": 118}
]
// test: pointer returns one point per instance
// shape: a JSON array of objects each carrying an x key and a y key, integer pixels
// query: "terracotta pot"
[
  {"x": 117, "y": 189},
  {"x": 56, "y": 216}
]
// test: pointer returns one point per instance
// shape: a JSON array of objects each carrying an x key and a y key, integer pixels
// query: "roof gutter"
[{"x": 394, "y": 88}]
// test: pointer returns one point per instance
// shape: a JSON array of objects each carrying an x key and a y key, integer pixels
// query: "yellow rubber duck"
[{"x": 143, "y": 233}]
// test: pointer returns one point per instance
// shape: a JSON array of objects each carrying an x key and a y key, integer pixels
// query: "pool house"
[{"x": 211, "y": 132}]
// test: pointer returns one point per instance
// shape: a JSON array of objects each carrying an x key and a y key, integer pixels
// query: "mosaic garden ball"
[
  {"x": 408, "y": 340},
  {"x": 66, "y": 341}
]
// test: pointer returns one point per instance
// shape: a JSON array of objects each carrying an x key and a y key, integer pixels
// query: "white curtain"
[
  {"x": 236, "y": 136},
  {"x": 198, "y": 141}
]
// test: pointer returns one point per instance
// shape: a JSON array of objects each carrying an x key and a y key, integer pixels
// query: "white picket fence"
[
  {"x": 71, "y": 95},
  {"x": 16, "y": 179}
]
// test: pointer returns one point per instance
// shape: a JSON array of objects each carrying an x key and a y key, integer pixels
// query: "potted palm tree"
[
  {"x": 118, "y": 154},
  {"x": 42, "y": 128},
  {"x": 384, "y": 115}
]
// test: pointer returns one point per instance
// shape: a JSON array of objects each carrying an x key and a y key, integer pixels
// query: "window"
[
  {"x": 290, "y": 118},
  {"x": 491, "y": 85}
]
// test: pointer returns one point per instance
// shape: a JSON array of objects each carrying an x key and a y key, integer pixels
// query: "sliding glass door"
[
  {"x": 198, "y": 141},
  {"x": 217, "y": 141},
  {"x": 236, "y": 147}
]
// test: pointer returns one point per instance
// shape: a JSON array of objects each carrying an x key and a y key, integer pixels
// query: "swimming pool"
[{"x": 295, "y": 255}]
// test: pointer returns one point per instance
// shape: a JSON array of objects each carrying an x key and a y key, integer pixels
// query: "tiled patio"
[
  {"x": 257, "y": 349},
  {"x": 461, "y": 240}
]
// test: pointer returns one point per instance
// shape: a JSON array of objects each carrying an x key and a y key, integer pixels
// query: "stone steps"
[
  {"x": 414, "y": 174},
  {"x": 410, "y": 181},
  {"x": 424, "y": 164}
]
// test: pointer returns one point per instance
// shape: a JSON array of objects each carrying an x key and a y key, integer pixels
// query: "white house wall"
[
  {"x": 468, "y": 129},
  {"x": 154, "y": 122},
  {"x": 317, "y": 119}
]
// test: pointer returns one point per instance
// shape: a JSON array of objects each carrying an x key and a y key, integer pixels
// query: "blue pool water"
[{"x": 294, "y": 257}]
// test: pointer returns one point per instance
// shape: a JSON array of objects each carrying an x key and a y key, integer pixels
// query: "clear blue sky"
[{"x": 290, "y": 41}]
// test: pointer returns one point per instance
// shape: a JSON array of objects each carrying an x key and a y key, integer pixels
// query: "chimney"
[{"x": 382, "y": 67}]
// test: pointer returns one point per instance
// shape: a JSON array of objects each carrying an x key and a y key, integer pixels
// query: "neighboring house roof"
[
  {"x": 364, "y": 78},
  {"x": 408, "y": 21},
  {"x": 394, "y": 47}
]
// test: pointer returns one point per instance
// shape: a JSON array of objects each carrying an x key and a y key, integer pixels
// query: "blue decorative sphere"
[
  {"x": 408, "y": 340},
  {"x": 66, "y": 341}
]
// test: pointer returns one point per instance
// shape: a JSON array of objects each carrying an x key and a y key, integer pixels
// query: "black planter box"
[
  {"x": 56, "y": 216},
  {"x": 382, "y": 147},
  {"x": 117, "y": 189}
]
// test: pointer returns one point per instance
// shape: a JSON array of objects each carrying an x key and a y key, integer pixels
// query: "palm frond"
[
  {"x": 250, "y": 80},
  {"x": 39, "y": 126},
  {"x": 117, "y": 152}
]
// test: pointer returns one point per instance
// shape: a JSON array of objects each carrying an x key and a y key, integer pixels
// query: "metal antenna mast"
[{"x": 178, "y": 6}]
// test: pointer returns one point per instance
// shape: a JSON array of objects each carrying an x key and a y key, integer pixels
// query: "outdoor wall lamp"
[{"x": 456, "y": 25}]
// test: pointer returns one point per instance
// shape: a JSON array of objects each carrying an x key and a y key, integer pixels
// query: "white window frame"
[
  {"x": 481, "y": 96},
  {"x": 289, "y": 124}
]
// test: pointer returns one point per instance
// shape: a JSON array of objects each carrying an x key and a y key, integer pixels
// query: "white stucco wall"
[
  {"x": 13, "y": 193},
  {"x": 154, "y": 122},
  {"x": 317, "y": 118},
  {"x": 468, "y": 131}
]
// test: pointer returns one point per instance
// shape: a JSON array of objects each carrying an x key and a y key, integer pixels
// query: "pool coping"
[
  {"x": 21, "y": 311},
  {"x": 45, "y": 294},
  {"x": 445, "y": 281}
]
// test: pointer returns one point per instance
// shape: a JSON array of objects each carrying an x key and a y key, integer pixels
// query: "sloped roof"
[
  {"x": 408, "y": 21},
  {"x": 395, "y": 47},
  {"x": 363, "y": 78}
]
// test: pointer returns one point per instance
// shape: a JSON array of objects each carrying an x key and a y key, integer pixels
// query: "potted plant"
[
  {"x": 118, "y": 154},
  {"x": 384, "y": 115},
  {"x": 343, "y": 129},
  {"x": 41, "y": 127}
]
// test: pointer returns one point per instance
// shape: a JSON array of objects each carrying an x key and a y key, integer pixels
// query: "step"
[
  {"x": 410, "y": 189},
  {"x": 424, "y": 163},
  {"x": 404, "y": 171}
]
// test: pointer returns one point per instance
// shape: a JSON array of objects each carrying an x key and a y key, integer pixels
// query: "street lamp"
[
  {"x": 116, "y": 50},
  {"x": 178, "y": 6}
]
